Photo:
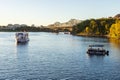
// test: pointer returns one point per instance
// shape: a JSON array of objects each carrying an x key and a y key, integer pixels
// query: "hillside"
[
  {"x": 117, "y": 16},
  {"x": 70, "y": 23}
]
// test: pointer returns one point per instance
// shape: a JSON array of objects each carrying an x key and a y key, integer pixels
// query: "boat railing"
[{"x": 96, "y": 45}]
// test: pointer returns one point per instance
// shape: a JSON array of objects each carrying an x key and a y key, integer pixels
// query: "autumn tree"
[
  {"x": 115, "y": 30},
  {"x": 94, "y": 26}
]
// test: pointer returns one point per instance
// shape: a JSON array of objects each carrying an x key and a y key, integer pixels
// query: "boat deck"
[{"x": 97, "y": 50}]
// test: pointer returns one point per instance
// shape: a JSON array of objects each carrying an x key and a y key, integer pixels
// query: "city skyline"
[{"x": 45, "y": 12}]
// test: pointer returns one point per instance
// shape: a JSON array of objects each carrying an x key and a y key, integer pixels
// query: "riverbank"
[{"x": 92, "y": 35}]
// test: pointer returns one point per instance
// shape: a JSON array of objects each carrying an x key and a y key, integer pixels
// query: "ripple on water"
[{"x": 48, "y": 56}]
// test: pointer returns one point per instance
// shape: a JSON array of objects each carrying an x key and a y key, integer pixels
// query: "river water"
[{"x": 50, "y": 56}]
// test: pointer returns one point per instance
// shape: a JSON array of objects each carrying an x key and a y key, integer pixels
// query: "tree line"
[
  {"x": 98, "y": 27},
  {"x": 115, "y": 29},
  {"x": 94, "y": 26},
  {"x": 27, "y": 28}
]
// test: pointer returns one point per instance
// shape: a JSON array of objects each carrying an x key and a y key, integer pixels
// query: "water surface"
[{"x": 50, "y": 56}]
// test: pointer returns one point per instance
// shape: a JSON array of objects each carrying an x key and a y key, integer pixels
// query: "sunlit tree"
[
  {"x": 115, "y": 30},
  {"x": 88, "y": 30}
]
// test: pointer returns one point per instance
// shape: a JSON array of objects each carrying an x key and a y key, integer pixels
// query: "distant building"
[
  {"x": 14, "y": 26},
  {"x": 9, "y": 26},
  {"x": 32, "y": 25},
  {"x": 23, "y": 25}
]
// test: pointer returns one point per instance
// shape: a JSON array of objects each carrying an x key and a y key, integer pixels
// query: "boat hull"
[
  {"x": 97, "y": 52},
  {"x": 22, "y": 41}
]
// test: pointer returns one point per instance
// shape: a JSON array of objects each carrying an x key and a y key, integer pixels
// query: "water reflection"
[
  {"x": 115, "y": 42},
  {"x": 22, "y": 60},
  {"x": 49, "y": 56},
  {"x": 22, "y": 51},
  {"x": 24, "y": 43},
  {"x": 115, "y": 49},
  {"x": 96, "y": 57}
]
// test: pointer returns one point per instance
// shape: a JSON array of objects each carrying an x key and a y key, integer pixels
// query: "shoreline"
[
  {"x": 90, "y": 35},
  {"x": 80, "y": 34},
  {"x": 102, "y": 36}
]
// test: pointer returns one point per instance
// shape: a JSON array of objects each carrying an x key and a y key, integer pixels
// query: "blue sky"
[{"x": 44, "y": 12}]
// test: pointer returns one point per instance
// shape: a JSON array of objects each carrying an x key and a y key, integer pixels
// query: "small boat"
[
  {"x": 97, "y": 50},
  {"x": 22, "y": 37},
  {"x": 66, "y": 32}
]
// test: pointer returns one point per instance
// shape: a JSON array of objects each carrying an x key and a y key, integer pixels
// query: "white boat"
[
  {"x": 22, "y": 37},
  {"x": 67, "y": 32}
]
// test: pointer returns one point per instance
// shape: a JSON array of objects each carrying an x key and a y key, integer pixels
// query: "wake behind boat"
[{"x": 22, "y": 37}]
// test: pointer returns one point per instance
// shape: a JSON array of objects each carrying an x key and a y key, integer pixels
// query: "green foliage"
[
  {"x": 94, "y": 26},
  {"x": 87, "y": 30},
  {"x": 80, "y": 27}
]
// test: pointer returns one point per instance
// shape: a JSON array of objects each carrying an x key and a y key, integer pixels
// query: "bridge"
[{"x": 68, "y": 28}]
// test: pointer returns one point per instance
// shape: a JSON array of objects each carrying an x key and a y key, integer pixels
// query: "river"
[{"x": 50, "y": 56}]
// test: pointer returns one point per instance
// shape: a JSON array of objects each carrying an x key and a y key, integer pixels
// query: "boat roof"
[{"x": 96, "y": 45}]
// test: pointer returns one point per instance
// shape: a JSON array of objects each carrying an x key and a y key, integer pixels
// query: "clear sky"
[{"x": 44, "y": 12}]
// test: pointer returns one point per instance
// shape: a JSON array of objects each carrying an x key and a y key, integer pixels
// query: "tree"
[
  {"x": 115, "y": 30},
  {"x": 87, "y": 30},
  {"x": 93, "y": 26}
]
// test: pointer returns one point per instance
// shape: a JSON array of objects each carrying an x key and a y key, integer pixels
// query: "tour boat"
[
  {"x": 97, "y": 50},
  {"x": 22, "y": 37}
]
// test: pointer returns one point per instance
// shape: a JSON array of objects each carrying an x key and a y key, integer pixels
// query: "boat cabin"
[{"x": 22, "y": 37}]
